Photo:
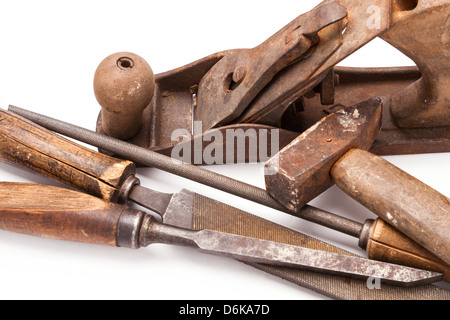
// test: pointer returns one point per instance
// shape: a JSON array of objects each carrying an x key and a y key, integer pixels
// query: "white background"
[{"x": 49, "y": 53}]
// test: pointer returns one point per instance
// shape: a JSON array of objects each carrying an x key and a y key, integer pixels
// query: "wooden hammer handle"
[
  {"x": 29, "y": 146},
  {"x": 409, "y": 205}
]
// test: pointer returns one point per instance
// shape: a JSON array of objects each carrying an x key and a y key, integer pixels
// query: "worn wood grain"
[
  {"x": 29, "y": 146},
  {"x": 387, "y": 244},
  {"x": 58, "y": 213},
  {"x": 409, "y": 205}
]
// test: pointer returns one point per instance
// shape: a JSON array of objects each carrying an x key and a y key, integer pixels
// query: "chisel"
[
  {"x": 64, "y": 214},
  {"x": 211, "y": 214},
  {"x": 380, "y": 241}
]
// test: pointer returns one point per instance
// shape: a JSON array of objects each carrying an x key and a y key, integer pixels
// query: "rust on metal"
[
  {"x": 302, "y": 168},
  {"x": 262, "y": 63},
  {"x": 215, "y": 217},
  {"x": 254, "y": 250},
  {"x": 293, "y": 94},
  {"x": 425, "y": 103}
]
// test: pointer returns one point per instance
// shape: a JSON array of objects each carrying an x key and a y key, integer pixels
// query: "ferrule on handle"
[
  {"x": 29, "y": 146},
  {"x": 404, "y": 202},
  {"x": 58, "y": 213}
]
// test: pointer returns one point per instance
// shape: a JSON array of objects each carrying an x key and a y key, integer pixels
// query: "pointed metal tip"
[
  {"x": 418, "y": 277},
  {"x": 275, "y": 253}
]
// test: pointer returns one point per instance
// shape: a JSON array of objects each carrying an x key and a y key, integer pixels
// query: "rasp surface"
[{"x": 214, "y": 215}]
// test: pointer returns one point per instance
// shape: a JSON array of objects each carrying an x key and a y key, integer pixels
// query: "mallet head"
[{"x": 302, "y": 169}]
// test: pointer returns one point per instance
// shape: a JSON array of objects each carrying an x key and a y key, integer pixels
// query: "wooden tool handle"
[
  {"x": 62, "y": 214},
  {"x": 410, "y": 206},
  {"x": 385, "y": 243},
  {"x": 29, "y": 146}
]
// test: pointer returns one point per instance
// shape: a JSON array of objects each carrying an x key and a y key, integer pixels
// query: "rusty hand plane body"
[
  {"x": 291, "y": 81},
  {"x": 323, "y": 124}
]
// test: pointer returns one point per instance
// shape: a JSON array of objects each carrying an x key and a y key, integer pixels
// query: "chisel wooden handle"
[
  {"x": 27, "y": 145},
  {"x": 410, "y": 206},
  {"x": 63, "y": 214}
]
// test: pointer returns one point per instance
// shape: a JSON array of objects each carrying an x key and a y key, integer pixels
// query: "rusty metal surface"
[
  {"x": 353, "y": 85},
  {"x": 254, "y": 250},
  {"x": 230, "y": 86},
  {"x": 426, "y": 103},
  {"x": 217, "y": 216},
  {"x": 122, "y": 145},
  {"x": 326, "y": 92},
  {"x": 416, "y": 100},
  {"x": 187, "y": 209},
  {"x": 169, "y": 206},
  {"x": 302, "y": 168},
  {"x": 250, "y": 143},
  {"x": 413, "y": 208},
  {"x": 172, "y": 103},
  {"x": 336, "y": 42}
]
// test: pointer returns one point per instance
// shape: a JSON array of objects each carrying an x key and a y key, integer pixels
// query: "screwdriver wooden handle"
[
  {"x": 58, "y": 213},
  {"x": 29, "y": 146},
  {"x": 409, "y": 205}
]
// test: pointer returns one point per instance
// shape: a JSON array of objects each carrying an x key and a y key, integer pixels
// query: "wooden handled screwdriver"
[
  {"x": 64, "y": 214},
  {"x": 381, "y": 242}
]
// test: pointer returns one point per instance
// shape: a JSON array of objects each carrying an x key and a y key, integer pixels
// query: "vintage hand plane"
[
  {"x": 291, "y": 81},
  {"x": 278, "y": 91}
]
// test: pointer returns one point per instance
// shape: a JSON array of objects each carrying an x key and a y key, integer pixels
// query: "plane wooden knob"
[{"x": 124, "y": 85}]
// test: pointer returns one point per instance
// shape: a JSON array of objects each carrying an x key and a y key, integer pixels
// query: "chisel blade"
[
  {"x": 210, "y": 214},
  {"x": 255, "y": 250},
  {"x": 181, "y": 206},
  {"x": 206, "y": 213},
  {"x": 280, "y": 254}
]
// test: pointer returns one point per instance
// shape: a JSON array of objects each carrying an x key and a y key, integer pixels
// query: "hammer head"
[{"x": 302, "y": 169}]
